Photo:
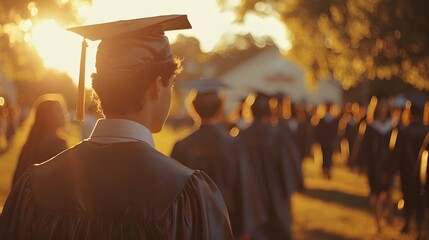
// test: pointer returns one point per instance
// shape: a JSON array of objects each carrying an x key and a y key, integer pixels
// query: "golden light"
[
  {"x": 2, "y": 101},
  {"x": 423, "y": 167},
  {"x": 273, "y": 103},
  {"x": 345, "y": 149},
  {"x": 287, "y": 105},
  {"x": 406, "y": 114},
  {"x": 393, "y": 138},
  {"x": 32, "y": 8},
  {"x": 234, "y": 131},
  {"x": 318, "y": 154},
  {"x": 246, "y": 112},
  {"x": 60, "y": 49},
  {"x": 401, "y": 204},
  {"x": 371, "y": 109},
  {"x": 426, "y": 114},
  {"x": 25, "y": 25},
  {"x": 362, "y": 129}
]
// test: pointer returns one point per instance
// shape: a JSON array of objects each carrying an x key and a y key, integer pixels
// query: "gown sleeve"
[
  {"x": 18, "y": 211},
  {"x": 200, "y": 211}
]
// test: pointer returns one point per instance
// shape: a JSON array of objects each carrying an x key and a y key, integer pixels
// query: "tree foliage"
[
  {"x": 17, "y": 58},
  {"x": 354, "y": 40}
]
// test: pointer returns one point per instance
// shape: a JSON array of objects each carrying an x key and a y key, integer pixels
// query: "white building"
[{"x": 270, "y": 72}]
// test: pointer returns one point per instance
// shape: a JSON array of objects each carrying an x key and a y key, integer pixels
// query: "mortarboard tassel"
[{"x": 80, "y": 105}]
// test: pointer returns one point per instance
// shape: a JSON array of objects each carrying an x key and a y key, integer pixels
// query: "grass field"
[{"x": 331, "y": 210}]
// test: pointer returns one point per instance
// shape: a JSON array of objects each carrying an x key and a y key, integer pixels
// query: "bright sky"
[{"x": 61, "y": 49}]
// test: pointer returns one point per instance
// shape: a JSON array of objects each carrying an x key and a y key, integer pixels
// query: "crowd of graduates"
[
  {"x": 255, "y": 155},
  {"x": 257, "y": 163}
]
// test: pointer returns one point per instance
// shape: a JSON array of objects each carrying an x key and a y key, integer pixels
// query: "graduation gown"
[
  {"x": 293, "y": 156},
  {"x": 114, "y": 191},
  {"x": 377, "y": 156},
  {"x": 409, "y": 141},
  {"x": 38, "y": 151},
  {"x": 304, "y": 138},
  {"x": 351, "y": 134},
  {"x": 269, "y": 168},
  {"x": 211, "y": 150},
  {"x": 326, "y": 133}
]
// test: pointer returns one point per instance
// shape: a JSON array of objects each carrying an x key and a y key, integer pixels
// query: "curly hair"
[{"x": 122, "y": 96}]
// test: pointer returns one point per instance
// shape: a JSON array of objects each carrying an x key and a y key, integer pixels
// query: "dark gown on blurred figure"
[
  {"x": 43, "y": 141},
  {"x": 407, "y": 150},
  {"x": 271, "y": 171},
  {"x": 326, "y": 133},
  {"x": 289, "y": 128},
  {"x": 377, "y": 155},
  {"x": 374, "y": 153},
  {"x": 211, "y": 149}
]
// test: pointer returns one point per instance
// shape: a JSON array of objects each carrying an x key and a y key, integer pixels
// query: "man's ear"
[{"x": 155, "y": 88}]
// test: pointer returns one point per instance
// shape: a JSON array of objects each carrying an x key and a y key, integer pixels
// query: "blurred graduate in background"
[
  {"x": 47, "y": 136},
  {"x": 269, "y": 166},
  {"x": 376, "y": 156},
  {"x": 211, "y": 149},
  {"x": 408, "y": 144},
  {"x": 326, "y": 134},
  {"x": 289, "y": 127}
]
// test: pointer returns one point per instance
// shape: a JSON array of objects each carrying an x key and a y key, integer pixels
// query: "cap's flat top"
[{"x": 118, "y": 28}]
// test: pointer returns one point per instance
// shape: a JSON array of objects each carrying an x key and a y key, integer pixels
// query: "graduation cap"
[
  {"x": 127, "y": 46},
  {"x": 207, "y": 90},
  {"x": 206, "y": 98}
]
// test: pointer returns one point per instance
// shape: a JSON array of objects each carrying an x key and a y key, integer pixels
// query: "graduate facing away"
[
  {"x": 211, "y": 149},
  {"x": 115, "y": 185}
]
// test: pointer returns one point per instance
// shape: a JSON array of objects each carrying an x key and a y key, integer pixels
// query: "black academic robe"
[
  {"x": 377, "y": 158},
  {"x": 114, "y": 191},
  {"x": 326, "y": 133},
  {"x": 351, "y": 134},
  {"x": 211, "y": 149},
  {"x": 38, "y": 151},
  {"x": 292, "y": 154},
  {"x": 409, "y": 141},
  {"x": 269, "y": 168},
  {"x": 304, "y": 138}
]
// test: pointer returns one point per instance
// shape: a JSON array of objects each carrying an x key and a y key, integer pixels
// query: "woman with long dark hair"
[{"x": 45, "y": 139}]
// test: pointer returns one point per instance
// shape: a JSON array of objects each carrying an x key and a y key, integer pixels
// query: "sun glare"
[
  {"x": 59, "y": 48},
  {"x": 56, "y": 47}
]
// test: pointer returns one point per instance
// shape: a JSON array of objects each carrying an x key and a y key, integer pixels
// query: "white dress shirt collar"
[{"x": 111, "y": 130}]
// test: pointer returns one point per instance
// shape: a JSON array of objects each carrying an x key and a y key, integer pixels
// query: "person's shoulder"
[{"x": 171, "y": 165}]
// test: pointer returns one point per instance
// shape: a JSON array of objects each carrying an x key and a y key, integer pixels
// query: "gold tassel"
[{"x": 80, "y": 104}]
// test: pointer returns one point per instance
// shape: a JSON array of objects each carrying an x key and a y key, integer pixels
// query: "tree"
[
  {"x": 353, "y": 40},
  {"x": 17, "y": 58}
]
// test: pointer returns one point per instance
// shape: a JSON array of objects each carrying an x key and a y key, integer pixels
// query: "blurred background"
[{"x": 312, "y": 51}]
